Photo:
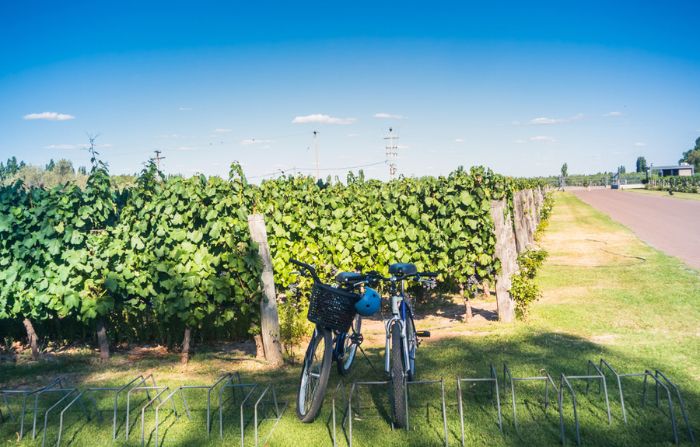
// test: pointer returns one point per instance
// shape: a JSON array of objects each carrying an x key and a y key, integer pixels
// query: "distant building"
[{"x": 683, "y": 170}]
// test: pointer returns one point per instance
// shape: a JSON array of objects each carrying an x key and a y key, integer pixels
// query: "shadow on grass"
[
  {"x": 531, "y": 355},
  {"x": 527, "y": 354}
]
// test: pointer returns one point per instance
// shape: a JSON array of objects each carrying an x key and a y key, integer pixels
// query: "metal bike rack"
[
  {"x": 493, "y": 379},
  {"x": 148, "y": 404},
  {"x": 442, "y": 399},
  {"x": 65, "y": 391},
  {"x": 356, "y": 385},
  {"x": 223, "y": 379},
  {"x": 338, "y": 388},
  {"x": 349, "y": 415},
  {"x": 681, "y": 403},
  {"x": 234, "y": 387},
  {"x": 565, "y": 381},
  {"x": 72, "y": 391},
  {"x": 278, "y": 414},
  {"x": 158, "y": 389},
  {"x": 546, "y": 378},
  {"x": 660, "y": 380},
  {"x": 90, "y": 393},
  {"x": 25, "y": 394}
]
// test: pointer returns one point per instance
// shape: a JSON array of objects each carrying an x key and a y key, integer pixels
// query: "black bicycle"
[{"x": 337, "y": 335}]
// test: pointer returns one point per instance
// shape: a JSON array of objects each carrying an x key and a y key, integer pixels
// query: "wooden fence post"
[
  {"x": 519, "y": 222},
  {"x": 507, "y": 253},
  {"x": 269, "y": 319}
]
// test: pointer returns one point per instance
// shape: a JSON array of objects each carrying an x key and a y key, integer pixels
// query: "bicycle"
[
  {"x": 402, "y": 338},
  {"x": 337, "y": 336},
  {"x": 332, "y": 340}
]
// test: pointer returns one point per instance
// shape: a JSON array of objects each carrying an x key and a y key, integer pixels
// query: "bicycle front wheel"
[
  {"x": 314, "y": 375},
  {"x": 398, "y": 384}
]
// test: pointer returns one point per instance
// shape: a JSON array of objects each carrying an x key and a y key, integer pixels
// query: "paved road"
[{"x": 671, "y": 225}]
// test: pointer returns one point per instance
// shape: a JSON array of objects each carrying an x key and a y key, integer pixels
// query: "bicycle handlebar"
[
  {"x": 308, "y": 268},
  {"x": 371, "y": 276}
]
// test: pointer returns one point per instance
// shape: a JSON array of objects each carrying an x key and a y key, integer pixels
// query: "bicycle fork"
[{"x": 396, "y": 305}]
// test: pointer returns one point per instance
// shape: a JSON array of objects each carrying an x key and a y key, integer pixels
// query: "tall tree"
[
  {"x": 564, "y": 170},
  {"x": 641, "y": 164},
  {"x": 692, "y": 156},
  {"x": 63, "y": 168},
  {"x": 621, "y": 169},
  {"x": 51, "y": 164}
]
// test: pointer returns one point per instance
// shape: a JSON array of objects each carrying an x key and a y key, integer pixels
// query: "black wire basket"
[{"x": 332, "y": 308}]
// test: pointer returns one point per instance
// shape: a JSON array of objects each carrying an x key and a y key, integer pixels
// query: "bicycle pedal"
[{"x": 424, "y": 334}]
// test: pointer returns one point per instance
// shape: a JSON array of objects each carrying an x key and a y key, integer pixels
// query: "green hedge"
[{"x": 172, "y": 252}]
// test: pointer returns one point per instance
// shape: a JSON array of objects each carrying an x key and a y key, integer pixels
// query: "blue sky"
[{"x": 519, "y": 86}]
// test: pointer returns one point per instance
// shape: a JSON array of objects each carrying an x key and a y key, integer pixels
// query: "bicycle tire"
[
  {"x": 309, "y": 413},
  {"x": 398, "y": 398},
  {"x": 350, "y": 352},
  {"x": 411, "y": 332}
]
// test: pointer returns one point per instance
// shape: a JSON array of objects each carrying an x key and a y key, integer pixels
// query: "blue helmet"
[{"x": 369, "y": 304}]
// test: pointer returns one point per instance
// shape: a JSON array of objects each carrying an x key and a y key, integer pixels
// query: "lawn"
[
  {"x": 676, "y": 195},
  {"x": 605, "y": 295}
]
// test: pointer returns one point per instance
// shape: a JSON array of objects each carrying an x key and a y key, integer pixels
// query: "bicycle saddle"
[
  {"x": 403, "y": 269},
  {"x": 349, "y": 277}
]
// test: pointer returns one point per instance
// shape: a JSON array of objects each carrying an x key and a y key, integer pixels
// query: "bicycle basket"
[{"x": 332, "y": 308}]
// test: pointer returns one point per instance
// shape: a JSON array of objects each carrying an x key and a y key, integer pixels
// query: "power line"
[{"x": 295, "y": 169}]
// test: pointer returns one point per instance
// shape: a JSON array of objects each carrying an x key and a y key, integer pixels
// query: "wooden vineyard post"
[
  {"x": 185, "y": 354},
  {"x": 31, "y": 338},
  {"x": 507, "y": 253},
  {"x": 269, "y": 319},
  {"x": 519, "y": 222},
  {"x": 102, "y": 339}
]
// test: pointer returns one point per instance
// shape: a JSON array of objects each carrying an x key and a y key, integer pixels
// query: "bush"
[{"x": 523, "y": 288}]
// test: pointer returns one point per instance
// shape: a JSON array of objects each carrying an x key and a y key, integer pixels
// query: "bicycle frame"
[{"x": 399, "y": 311}]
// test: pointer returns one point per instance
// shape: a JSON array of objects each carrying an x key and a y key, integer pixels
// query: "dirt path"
[{"x": 670, "y": 225}]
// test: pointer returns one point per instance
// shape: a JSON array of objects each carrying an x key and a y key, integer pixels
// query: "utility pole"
[
  {"x": 392, "y": 152},
  {"x": 158, "y": 158},
  {"x": 318, "y": 173}
]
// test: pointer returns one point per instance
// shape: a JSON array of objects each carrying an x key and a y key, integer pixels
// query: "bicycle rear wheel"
[
  {"x": 314, "y": 375},
  {"x": 398, "y": 384},
  {"x": 350, "y": 349}
]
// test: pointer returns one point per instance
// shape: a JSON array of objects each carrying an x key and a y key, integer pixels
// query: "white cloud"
[
  {"x": 184, "y": 148},
  {"x": 49, "y": 116},
  {"x": 75, "y": 146},
  {"x": 613, "y": 114},
  {"x": 545, "y": 120},
  {"x": 184, "y": 109},
  {"x": 543, "y": 138},
  {"x": 520, "y": 141},
  {"x": 459, "y": 140},
  {"x": 640, "y": 144},
  {"x": 250, "y": 141},
  {"x": 322, "y": 119},
  {"x": 66, "y": 146},
  {"x": 391, "y": 116},
  {"x": 220, "y": 130},
  {"x": 353, "y": 135}
]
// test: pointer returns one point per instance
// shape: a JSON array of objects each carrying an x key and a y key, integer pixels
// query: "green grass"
[
  {"x": 677, "y": 195},
  {"x": 606, "y": 295}
]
